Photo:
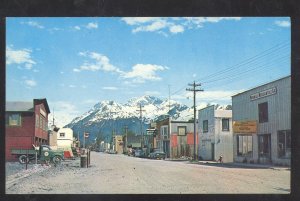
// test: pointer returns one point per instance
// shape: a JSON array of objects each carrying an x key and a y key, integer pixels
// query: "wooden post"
[{"x": 26, "y": 160}]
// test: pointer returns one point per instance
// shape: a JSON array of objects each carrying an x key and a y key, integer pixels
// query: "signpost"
[{"x": 85, "y": 135}]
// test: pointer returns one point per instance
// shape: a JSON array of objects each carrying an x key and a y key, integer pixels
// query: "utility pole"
[
  {"x": 141, "y": 117},
  {"x": 194, "y": 85},
  {"x": 169, "y": 99}
]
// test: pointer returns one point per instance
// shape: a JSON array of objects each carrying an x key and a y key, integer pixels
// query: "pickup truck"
[{"x": 43, "y": 153}]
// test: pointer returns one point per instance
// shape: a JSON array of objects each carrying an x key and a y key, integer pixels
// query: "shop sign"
[
  {"x": 244, "y": 127},
  {"x": 264, "y": 93}
]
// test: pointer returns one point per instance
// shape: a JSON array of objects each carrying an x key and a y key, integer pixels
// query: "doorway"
[
  {"x": 213, "y": 151},
  {"x": 264, "y": 148}
]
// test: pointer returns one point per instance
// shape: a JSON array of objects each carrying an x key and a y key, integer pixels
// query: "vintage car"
[{"x": 157, "y": 154}]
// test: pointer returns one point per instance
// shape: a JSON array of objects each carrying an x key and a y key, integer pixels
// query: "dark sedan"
[{"x": 157, "y": 155}]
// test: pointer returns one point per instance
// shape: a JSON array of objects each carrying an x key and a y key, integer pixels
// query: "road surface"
[{"x": 120, "y": 174}]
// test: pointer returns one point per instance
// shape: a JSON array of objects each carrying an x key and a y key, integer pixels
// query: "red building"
[{"x": 26, "y": 124}]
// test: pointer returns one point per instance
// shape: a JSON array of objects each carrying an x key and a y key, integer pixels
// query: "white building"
[
  {"x": 262, "y": 123},
  {"x": 64, "y": 138},
  {"x": 215, "y": 134}
]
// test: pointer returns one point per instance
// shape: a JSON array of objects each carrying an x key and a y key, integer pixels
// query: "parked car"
[
  {"x": 157, "y": 154},
  {"x": 140, "y": 153}
]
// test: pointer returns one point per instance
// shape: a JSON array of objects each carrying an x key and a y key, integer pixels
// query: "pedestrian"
[{"x": 220, "y": 159}]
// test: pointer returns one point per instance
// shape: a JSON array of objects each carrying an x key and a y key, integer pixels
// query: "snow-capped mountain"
[
  {"x": 107, "y": 117},
  {"x": 152, "y": 108}
]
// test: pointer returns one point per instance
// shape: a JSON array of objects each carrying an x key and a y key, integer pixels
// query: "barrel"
[{"x": 83, "y": 161}]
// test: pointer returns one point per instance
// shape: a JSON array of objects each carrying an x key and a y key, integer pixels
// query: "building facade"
[
  {"x": 176, "y": 138},
  {"x": 26, "y": 124},
  {"x": 118, "y": 144},
  {"x": 262, "y": 124},
  {"x": 182, "y": 139},
  {"x": 163, "y": 136},
  {"x": 215, "y": 134}
]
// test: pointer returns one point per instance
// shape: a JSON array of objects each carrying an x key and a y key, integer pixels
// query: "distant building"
[
  {"x": 215, "y": 134},
  {"x": 262, "y": 123},
  {"x": 182, "y": 139},
  {"x": 26, "y": 124},
  {"x": 65, "y": 138},
  {"x": 118, "y": 144},
  {"x": 175, "y": 138}
]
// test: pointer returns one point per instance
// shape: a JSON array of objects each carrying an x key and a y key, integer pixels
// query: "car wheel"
[
  {"x": 56, "y": 159},
  {"x": 22, "y": 159}
]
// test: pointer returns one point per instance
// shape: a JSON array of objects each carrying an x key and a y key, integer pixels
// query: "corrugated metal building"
[
  {"x": 262, "y": 123},
  {"x": 26, "y": 124},
  {"x": 215, "y": 134}
]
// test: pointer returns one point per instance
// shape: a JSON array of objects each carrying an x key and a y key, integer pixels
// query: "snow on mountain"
[{"x": 152, "y": 107}]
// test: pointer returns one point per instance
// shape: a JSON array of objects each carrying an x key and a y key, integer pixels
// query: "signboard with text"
[
  {"x": 244, "y": 127},
  {"x": 264, "y": 93}
]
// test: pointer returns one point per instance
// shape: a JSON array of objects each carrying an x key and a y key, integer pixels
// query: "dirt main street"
[{"x": 120, "y": 174}]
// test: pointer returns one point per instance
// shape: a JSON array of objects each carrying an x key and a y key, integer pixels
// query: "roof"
[
  {"x": 19, "y": 106},
  {"x": 262, "y": 85},
  {"x": 25, "y": 106}
]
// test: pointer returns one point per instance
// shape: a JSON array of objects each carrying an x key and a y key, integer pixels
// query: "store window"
[
  {"x": 13, "y": 119},
  {"x": 225, "y": 124},
  {"x": 37, "y": 121},
  {"x": 263, "y": 112},
  {"x": 244, "y": 145},
  {"x": 264, "y": 145},
  {"x": 284, "y": 144},
  {"x": 205, "y": 126}
]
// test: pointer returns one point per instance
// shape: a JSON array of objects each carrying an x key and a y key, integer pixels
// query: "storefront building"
[
  {"x": 262, "y": 124},
  {"x": 26, "y": 124}
]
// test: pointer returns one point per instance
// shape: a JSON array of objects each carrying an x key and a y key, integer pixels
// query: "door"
[
  {"x": 213, "y": 151},
  {"x": 264, "y": 148}
]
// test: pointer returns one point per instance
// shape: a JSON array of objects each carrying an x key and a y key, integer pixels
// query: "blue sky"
[{"x": 77, "y": 62}]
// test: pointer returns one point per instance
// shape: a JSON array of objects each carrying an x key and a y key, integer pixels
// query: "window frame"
[
  {"x": 245, "y": 139},
  {"x": 228, "y": 127},
  {"x": 8, "y": 120},
  {"x": 263, "y": 112},
  {"x": 205, "y": 126},
  {"x": 286, "y": 149},
  {"x": 179, "y": 128}
]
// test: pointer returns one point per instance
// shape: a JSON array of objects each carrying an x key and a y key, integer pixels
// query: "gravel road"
[{"x": 120, "y": 174}]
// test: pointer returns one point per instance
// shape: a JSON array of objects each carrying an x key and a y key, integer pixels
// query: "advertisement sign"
[
  {"x": 264, "y": 93},
  {"x": 244, "y": 127}
]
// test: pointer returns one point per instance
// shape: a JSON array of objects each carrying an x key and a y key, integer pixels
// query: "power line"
[{"x": 246, "y": 61}]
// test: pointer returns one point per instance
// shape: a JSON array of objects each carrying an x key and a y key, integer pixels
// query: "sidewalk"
[{"x": 241, "y": 165}]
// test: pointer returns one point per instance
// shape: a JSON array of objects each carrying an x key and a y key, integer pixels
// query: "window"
[
  {"x": 225, "y": 124},
  {"x": 244, "y": 145},
  {"x": 263, "y": 112},
  {"x": 205, "y": 126},
  {"x": 62, "y": 134},
  {"x": 41, "y": 122},
  {"x": 264, "y": 148},
  {"x": 37, "y": 121},
  {"x": 181, "y": 130},
  {"x": 284, "y": 144},
  {"x": 13, "y": 120},
  {"x": 164, "y": 132}
]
